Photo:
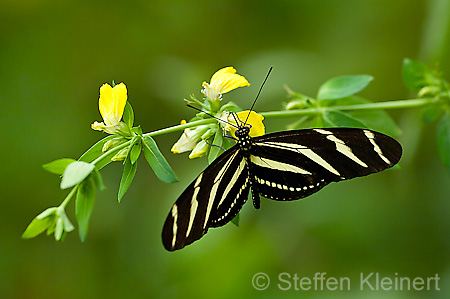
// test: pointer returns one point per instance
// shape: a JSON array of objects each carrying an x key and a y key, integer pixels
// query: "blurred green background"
[{"x": 54, "y": 56}]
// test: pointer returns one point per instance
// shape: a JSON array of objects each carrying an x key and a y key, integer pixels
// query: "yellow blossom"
[
  {"x": 223, "y": 81},
  {"x": 111, "y": 105},
  {"x": 254, "y": 121}
]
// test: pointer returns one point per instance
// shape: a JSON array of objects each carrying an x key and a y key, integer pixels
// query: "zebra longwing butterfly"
[{"x": 281, "y": 166}]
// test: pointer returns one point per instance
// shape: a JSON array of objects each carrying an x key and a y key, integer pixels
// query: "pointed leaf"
[
  {"x": 137, "y": 130},
  {"x": 157, "y": 162},
  {"x": 38, "y": 226},
  {"x": 128, "y": 115},
  {"x": 84, "y": 206},
  {"x": 443, "y": 139},
  {"x": 136, "y": 148},
  {"x": 377, "y": 120},
  {"x": 98, "y": 180},
  {"x": 96, "y": 150},
  {"x": 235, "y": 220},
  {"x": 342, "y": 119},
  {"x": 215, "y": 149},
  {"x": 129, "y": 170},
  {"x": 319, "y": 122},
  {"x": 58, "y": 166},
  {"x": 75, "y": 173},
  {"x": 343, "y": 86},
  {"x": 432, "y": 113},
  {"x": 414, "y": 74}
]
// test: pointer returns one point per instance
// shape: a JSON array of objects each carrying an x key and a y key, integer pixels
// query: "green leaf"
[
  {"x": 343, "y": 86},
  {"x": 414, "y": 74},
  {"x": 215, "y": 149},
  {"x": 443, "y": 139},
  {"x": 75, "y": 173},
  {"x": 129, "y": 170},
  {"x": 432, "y": 113},
  {"x": 137, "y": 130},
  {"x": 84, "y": 206},
  {"x": 97, "y": 179},
  {"x": 235, "y": 220},
  {"x": 157, "y": 161},
  {"x": 128, "y": 115},
  {"x": 58, "y": 166},
  {"x": 136, "y": 147},
  {"x": 96, "y": 151},
  {"x": 299, "y": 124},
  {"x": 377, "y": 120},
  {"x": 342, "y": 119},
  {"x": 38, "y": 226},
  {"x": 318, "y": 122}
]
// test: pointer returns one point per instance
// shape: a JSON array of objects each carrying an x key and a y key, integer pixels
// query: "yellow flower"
[
  {"x": 254, "y": 121},
  {"x": 111, "y": 105},
  {"x": 223, "y": 81}
]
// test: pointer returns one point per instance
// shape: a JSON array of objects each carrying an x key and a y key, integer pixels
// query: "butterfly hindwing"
[
  {"x": 294, "y": 164},
  {"x": 210, "y": 200}
]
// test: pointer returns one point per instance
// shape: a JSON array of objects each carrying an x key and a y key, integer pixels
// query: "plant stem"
[
  {"x": 181, "y": 127},
  {"x": 68, "y": 197},
  {"x": 412, "y": 103}
]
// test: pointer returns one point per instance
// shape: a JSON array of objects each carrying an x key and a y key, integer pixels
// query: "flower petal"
[
  {"x": 119, "y": 98},
  {"x": 98, "y": 126},
  {"x": 226, "y": 79},
  {"x": 255, "y": 120},
  {"x": 185, "y": 143},
  {"x": 112, "y": 103}
]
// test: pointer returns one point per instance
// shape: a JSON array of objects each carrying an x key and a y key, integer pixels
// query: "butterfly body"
[{"x": 281, "y": 166}]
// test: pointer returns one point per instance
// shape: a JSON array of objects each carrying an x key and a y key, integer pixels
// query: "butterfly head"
[{"x": 242, "y": 132}]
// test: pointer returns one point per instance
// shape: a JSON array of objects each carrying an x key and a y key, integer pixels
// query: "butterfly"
[{"x": 281, "y": 166}]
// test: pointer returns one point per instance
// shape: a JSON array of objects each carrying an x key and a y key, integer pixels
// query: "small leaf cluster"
[
  {"x": 426, "y": 82},
  {"x": 334, "y": 94}
]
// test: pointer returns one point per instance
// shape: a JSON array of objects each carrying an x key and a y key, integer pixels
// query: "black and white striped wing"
[
  {"x": 294, "y": 164},
  {"x": 211, "y": 200}
]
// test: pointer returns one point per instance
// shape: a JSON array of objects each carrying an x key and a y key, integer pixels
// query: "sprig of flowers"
[{"x": 336, "y": 104}]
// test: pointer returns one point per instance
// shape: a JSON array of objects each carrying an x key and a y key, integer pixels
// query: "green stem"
[
  {"x": 68, "y": 197},
  {"x": 181, "y": 127},
  {"x": 412, "y": 103}
]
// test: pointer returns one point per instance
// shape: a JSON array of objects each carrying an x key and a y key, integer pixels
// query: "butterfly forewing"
[{"x": 294, "y": 164}]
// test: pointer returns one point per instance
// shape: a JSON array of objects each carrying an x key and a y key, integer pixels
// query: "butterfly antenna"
[
  {"x": 195, "y": 108},
  {"x": 262, "y": 85},
  {"x": 235, "y": 118}
]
